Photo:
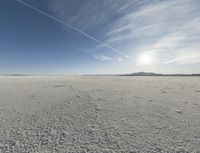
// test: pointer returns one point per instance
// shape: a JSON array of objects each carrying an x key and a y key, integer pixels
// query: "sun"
[{"x": 145, "y": 59}]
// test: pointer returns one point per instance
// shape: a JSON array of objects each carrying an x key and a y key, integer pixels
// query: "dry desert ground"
[{"x": 100, "y": 114}]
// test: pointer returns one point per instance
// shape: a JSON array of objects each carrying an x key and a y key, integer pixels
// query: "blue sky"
[{"x": 99, "y": 36}]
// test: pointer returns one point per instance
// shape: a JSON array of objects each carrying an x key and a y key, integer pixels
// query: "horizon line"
[{"x": 104, "y": 74}]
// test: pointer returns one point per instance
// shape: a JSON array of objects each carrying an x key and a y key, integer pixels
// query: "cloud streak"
[
  {"x": 73, "y": 27},
  {"x": 102, "y": 57}
]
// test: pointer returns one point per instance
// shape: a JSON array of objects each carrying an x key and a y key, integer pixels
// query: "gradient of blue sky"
[{"x": 167, "y": 31}]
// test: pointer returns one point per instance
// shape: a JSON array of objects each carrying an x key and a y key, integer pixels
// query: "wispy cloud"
[
  {"x": 186, "y": 58},
  {"x": 88, "y": 14},
  {"x": 101, "y": 57},
  {"x": 168, "y": 29},
  {"x": 119, "y": 59}
]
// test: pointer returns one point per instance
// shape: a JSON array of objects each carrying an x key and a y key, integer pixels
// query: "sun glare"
[{"x": 145, "y": 59}]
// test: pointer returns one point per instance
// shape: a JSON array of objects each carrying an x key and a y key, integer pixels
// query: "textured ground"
[{"x": 100, "y": 114}]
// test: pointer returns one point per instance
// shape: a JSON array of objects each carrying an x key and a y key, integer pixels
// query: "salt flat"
[{"x": 99, "y": 114}]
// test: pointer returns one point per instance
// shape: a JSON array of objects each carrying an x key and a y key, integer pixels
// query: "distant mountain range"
[
  {"x": 131, "y": 74},
  {"x": 157, "y": 74}
]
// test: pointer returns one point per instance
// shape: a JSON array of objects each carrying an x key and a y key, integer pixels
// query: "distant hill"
[
  {"x": 144, "y": 74},
  {"x": 157, "y": 74}
]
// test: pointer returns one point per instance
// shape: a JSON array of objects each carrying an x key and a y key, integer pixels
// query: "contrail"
[{"x": 72, "y": 27}]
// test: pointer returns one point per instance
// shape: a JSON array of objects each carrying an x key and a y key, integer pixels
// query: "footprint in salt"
[
  {"x": 179, "y": 111},
  {"x": 59, "y": 86},
  {"x": 78, "y": 96},
  {"x": 98, "y": 108}
]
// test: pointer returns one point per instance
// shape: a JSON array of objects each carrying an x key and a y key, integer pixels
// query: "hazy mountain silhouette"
[{"x": 157, "y": 74}]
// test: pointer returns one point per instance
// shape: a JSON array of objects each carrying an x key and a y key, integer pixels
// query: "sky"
[{"x": 99, "y": 36}]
